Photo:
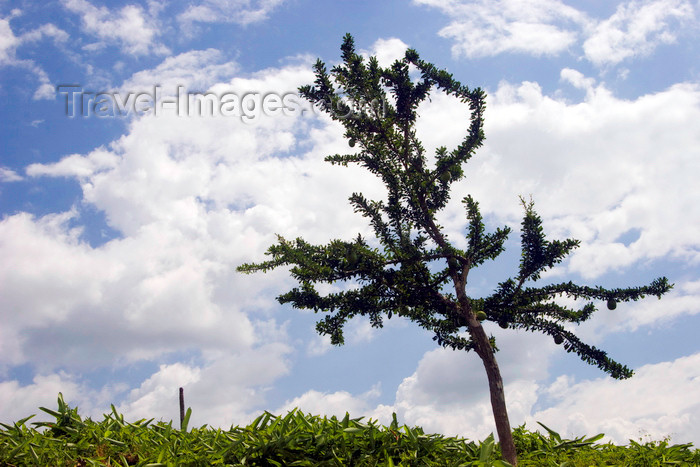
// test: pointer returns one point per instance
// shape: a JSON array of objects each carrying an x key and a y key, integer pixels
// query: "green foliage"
[
  {"x": 298, "y": 439},
  {"x": 113, "y": 441},
  {"x": 294, "y": 439},
  {"x": 416, "y": 272},
  {"x": 538, "y": 450}
]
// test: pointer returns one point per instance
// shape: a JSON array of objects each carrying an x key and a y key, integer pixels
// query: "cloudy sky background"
[{"x": 120, "y": 234}]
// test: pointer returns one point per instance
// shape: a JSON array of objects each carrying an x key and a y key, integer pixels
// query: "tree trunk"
[{"x": 498, "y": 398}]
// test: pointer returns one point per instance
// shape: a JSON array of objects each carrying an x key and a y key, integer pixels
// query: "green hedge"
[{"x": 298, "y": 439}]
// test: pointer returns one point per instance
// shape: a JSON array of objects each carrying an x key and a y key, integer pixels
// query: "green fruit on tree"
[
  {"x": 480, "y": 315},
  {"x": 503, "y": 324},
  {"x": 558, "y": 339},
  {"x": 612, "y": 304},
  {"x": 352, "y": 142}
]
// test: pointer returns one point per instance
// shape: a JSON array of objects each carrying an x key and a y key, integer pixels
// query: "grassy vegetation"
[{"x": 299, "y": 439}]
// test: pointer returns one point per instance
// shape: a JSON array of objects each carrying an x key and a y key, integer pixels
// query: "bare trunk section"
[
  {"x": 498, "y": 397},
  {"x": 483, "y": 348}
]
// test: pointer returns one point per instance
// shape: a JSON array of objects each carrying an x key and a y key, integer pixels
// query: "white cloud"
[
  {"x": 598, "y": 170},
  {"x": 202, "y": 168},
  {"x": 387, "y": 51},
  {"x": 229, "y": 11},
  {"x": 653, "y": 402},
  {"x": 9, "y": 43},
  {"x": 192, "y": 198},
  {"x": 76, "y": 165},
  {"x": 647, "y": 314},
  {"x": 45, "y": 91},
  {"x": 195, "y": 70},
  {"x": 636, "y": 29},
  {"x": 577, "y": 79},
  {"x": 360, "y": 331},
  {"x": 158, "y": 394},
  {"x": 136, "y": 298},
  {"x": 227, "y": 390},
  {"x": 130, "y": 27},
  {"x": 223, "y": 391},
  {"x": 485, "y": 28},
  {"x": 45, "y": 30},
  {"x": 337, "y": 403},
  {"x": 448, "y": 393},
  {"x": 319, "y": 345},
  {"x": 22, "y": 401},
  {"x": 9, "y": 175},
  {"x": 550, "y": 27}
]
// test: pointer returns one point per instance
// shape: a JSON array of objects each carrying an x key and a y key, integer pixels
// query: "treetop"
[{"x": 413, "y": 270}]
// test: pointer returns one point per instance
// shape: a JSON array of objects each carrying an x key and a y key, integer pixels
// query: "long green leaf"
[{"x": 186, "y": 420}]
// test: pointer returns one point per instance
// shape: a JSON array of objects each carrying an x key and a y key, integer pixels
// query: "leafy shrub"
[{"x": 298, "y": 439}]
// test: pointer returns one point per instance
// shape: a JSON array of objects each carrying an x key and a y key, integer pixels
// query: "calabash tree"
[{"x": 411, "y": 268}]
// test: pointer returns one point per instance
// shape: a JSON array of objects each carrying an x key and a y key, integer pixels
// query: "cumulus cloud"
[
  {"x": 135, "y": 298},
  {"x": 647, "y": 314},
  {"x": 20, "y": 401},
  {"x": 387, "y": 51},
  {"x": 130, "y": 27},
  {"x": 448, "y": 393},
  {"x": 223, "y": 391},
  {"x": 193, "y": 70},
  {"x": 191, "y": 197},
  {"x": 577, "y": 79},
  {"x": 228, "y": 11},
  {"x": 76, "y": 165},
  {"x": 636, "y": 29},
  {"x": 9, "y": 175},
  {"x": 485, "y": 28},
  {"x": 8, "y": 40},
  {"x": 9, "y": 43},
  {"x": 613, "y": 173},
  {"x": 45, "y": 30},
  {"x": 550, "y": 27},
  {"x": 319, "y": 345},
  {"x": 152, "y": 90},
  {"x": 623, "y": 409},
  {"x": 337, "y": 403}
]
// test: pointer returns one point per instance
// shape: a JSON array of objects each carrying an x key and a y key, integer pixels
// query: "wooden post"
[{"x": 182, "y": 407}]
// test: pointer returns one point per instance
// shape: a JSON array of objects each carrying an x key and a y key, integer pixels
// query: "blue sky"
[{"x": 121, "y": 229}]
